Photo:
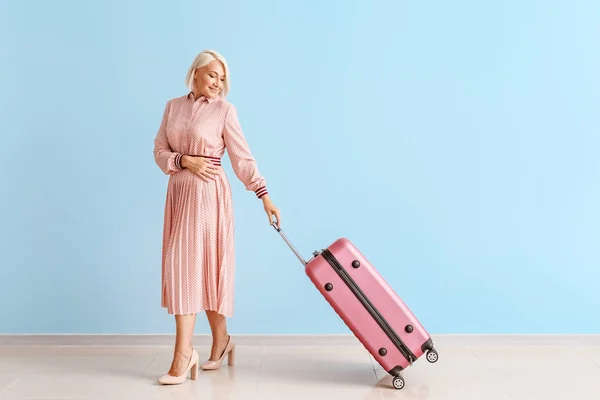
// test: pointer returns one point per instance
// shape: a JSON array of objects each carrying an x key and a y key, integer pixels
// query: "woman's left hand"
[{"x": 271, "y": 210}]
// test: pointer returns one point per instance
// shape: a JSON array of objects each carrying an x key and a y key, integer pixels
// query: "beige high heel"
[
  {"x": 176, "y": 380},
  {"x": 229, "y": 352}
]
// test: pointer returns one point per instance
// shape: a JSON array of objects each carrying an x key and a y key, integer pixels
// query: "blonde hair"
[{"x": 202, "y": 59}]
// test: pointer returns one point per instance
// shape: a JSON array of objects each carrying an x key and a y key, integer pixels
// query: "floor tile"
[
  {"x": 302, "y": 372},
  {"x": 446, "y": 384},
  {"x": 227, "y": 383},
  {"x": 317, "y": 372},
  {"x": 345, "y": 383},
  {"x": 532, "y": 358},
  {"x": 59, "y": 386},
  {"x": 6, "y": 381},
  {"x": 592, "y": 353},
  {"x": 16, "y": 365},
  {"x": 564, "y": 383}
]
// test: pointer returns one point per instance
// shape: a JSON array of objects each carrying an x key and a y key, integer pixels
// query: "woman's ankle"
[{"x": 183, "y": 350}]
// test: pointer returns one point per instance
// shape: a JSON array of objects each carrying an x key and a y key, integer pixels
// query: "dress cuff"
[
  {"x": 178, "y": 161},
  {"x": 260, "y": 192}
]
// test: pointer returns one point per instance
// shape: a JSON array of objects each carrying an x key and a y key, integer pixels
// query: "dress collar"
[{"x": 202, "y": 98}]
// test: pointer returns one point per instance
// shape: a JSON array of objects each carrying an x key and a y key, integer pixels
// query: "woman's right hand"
[{"x": 200, "y": 167}]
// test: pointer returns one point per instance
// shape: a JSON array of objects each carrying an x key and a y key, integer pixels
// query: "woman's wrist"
[{"x": 183, "y": 161}]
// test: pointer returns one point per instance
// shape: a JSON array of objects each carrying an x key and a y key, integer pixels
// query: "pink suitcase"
[{"x": 368, "y": 306}]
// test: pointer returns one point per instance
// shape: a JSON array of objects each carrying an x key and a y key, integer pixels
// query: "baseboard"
[{"x": 440, "y": 340}]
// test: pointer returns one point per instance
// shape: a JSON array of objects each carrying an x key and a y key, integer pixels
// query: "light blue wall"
[{"x": 456, "y": 143}]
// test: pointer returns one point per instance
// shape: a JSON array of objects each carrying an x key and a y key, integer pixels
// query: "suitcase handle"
[{"x": 278, "y": 229}]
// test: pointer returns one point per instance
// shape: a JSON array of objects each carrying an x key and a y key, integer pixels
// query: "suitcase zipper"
[{"x": 369, "y": 306}]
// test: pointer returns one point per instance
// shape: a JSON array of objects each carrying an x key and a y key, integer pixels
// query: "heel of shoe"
[
  {"x": 231, "y": 357},
  {"x": 194, "y": 372}
]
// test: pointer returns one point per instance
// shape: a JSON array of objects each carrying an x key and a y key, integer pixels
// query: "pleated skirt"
[{"x": 198, "y": 258}]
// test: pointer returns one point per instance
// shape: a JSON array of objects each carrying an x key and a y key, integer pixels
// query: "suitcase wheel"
[
  {"x": 432, "y": 356},
  {"x": 398, "y": 382}
]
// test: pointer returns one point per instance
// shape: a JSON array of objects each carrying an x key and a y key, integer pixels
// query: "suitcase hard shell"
[{"x": 368, "y": 306}]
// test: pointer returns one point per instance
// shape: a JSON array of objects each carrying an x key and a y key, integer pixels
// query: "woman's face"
[{"x": 209, "y": 80}]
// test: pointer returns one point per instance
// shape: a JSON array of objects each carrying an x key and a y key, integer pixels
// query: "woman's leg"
[
  {"x": 218, "y": 327},
  {"x": 183, "y": 343}
]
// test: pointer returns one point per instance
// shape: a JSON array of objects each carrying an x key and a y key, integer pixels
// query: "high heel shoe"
[
  {"x": 229, "y": 351},
  {"x": 176, "y": 380}
]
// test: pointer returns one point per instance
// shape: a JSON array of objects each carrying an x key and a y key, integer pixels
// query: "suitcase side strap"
[{"x": 278, "y": 229}]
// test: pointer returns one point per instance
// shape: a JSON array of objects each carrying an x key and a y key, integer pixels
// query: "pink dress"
[{"x": 198, "y": 259}]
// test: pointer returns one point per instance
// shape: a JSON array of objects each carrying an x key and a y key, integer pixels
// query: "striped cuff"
[
  {"x": 260, "y": 192},
  {"x": 178, "y": 160}
]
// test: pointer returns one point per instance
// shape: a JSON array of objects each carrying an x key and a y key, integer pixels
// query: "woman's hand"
[
  {"x": 200, "y": 166},
  {"x": 271, "y": 210}
]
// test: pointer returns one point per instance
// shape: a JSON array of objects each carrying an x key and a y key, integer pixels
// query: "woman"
[{"x": 198, "y": 261}]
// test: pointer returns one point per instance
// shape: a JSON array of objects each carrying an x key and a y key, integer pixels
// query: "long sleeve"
[
  {"x": 165, "y": 157},
  {"x": 243, "y": 163}
]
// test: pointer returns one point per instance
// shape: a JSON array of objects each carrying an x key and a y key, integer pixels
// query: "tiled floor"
[{"x": 307, "y": 373}]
